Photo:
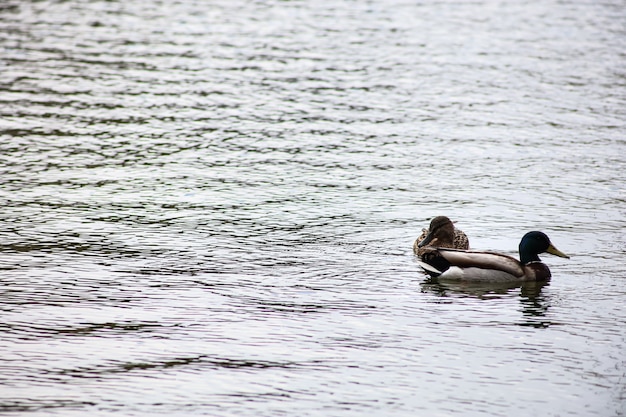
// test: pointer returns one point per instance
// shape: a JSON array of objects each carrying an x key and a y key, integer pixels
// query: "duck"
[
  {"x": 478, "y": 266},
  {"x": 441, "y": 233}
]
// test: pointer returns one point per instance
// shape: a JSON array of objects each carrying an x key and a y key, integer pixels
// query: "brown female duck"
[{"x": 441, "y": 234}]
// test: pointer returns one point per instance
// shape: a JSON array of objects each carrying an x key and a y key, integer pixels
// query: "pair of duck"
[{"x": 444, "y": 253}]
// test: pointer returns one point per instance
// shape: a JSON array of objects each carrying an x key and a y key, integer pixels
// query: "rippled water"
[{"x": 208, "y": 207}]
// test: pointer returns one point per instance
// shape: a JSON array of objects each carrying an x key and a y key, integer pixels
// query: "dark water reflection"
[
  {"x": 533, "y": 304},
  {"x": 208, "y": 208}
]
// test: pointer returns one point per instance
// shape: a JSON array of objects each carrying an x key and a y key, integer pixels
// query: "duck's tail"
[{"x": 430, "y": 270}]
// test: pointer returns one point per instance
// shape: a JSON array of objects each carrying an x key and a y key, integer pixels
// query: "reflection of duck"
[
  {"x": 441, "y": 233},
  {"x": 456, "y": 264},
  {"x": 534, "y": 304},
  {"x": 482, "y": 289}
]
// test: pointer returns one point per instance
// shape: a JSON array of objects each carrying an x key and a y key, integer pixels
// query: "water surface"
[{"x": 208, "y": 207}]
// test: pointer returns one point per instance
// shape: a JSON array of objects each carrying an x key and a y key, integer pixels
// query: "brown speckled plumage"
[{"x": 444, "y": 235}]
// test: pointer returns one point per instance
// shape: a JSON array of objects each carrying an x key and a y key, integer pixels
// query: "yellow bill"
[{"x": 554, "y": 251}]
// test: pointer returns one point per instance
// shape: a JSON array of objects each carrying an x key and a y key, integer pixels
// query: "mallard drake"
[
  {"x": 457, "y": 264},
  {"x": 441, "y": 233}
]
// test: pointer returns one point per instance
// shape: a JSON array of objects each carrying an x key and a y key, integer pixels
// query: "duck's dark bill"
[{"x": 426, "y": 240}]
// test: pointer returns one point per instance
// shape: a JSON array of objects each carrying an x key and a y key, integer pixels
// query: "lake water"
[{"x": 208, "y": 207}]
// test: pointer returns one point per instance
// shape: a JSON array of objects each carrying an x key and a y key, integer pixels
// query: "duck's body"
[
  {"x": 445, "y": 263},
  {"x": 441, "y": 233}
]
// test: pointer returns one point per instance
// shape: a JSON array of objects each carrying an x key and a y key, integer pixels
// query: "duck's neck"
[{"x": 526, "y": 257}]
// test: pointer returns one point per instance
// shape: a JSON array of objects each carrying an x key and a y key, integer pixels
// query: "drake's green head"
[{"x": 534, "y": 243}]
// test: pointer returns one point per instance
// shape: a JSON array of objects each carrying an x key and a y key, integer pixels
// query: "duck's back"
[
  {"x": 482, "y": 260},
  {"x": 460, "y": 239}
]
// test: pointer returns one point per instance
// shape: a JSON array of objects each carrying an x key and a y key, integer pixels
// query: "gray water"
[{"x": 208, "y": 207}]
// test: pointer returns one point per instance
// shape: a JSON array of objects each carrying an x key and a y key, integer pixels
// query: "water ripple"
[{"x": 210, "y": 209}]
